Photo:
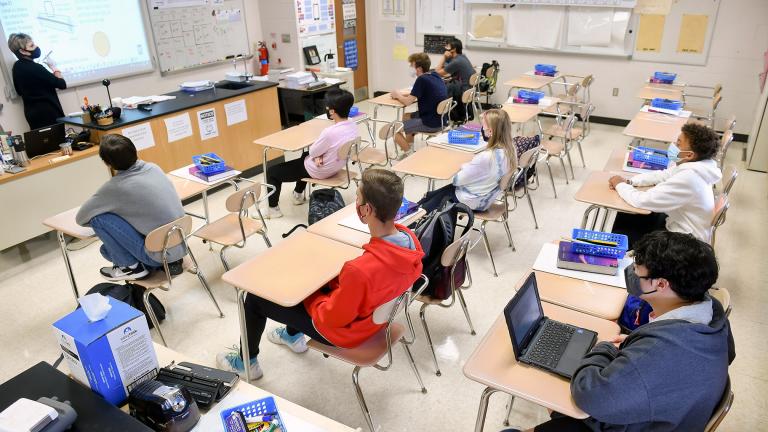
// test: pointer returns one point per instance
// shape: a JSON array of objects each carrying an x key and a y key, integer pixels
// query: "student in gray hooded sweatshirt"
[
  {"x": 669, "y": 374},
  {"x": 137, "y": 200}
]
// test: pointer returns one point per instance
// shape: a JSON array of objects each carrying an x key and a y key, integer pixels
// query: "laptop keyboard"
[{"x": 551, "y": 344}]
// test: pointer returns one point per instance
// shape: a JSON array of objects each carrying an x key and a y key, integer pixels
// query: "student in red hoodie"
[{"x": 341, "y": 313}]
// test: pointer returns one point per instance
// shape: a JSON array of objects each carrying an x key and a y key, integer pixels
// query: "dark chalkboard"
[{"x": 435, "y": 44}]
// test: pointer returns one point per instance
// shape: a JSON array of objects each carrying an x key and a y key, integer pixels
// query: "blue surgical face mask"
[{"x": 673, "y": 152}]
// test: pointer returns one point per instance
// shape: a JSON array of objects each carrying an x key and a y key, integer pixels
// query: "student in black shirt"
[{"x": 34, "y": 83}]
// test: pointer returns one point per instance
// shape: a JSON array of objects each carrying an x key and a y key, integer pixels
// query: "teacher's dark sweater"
[{"x": 37, "y": 88}]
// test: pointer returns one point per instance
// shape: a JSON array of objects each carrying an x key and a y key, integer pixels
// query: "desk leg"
[
  {"x": 67, "y": 265},
  {"x": 246, "y": 353},
  {"x": 207, "y": 215},
  {"x": 605, "y": 219},
  {"x": 587, "y": 212},
  {"x": 483, "y": 408},
  {"x": 430, "y": 185},
  {"x": 371, "y": 131},
  {"x": 264, "y": 165}
]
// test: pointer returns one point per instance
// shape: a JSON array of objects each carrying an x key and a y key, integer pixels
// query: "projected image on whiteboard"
[{"x": 88, "y": 40}]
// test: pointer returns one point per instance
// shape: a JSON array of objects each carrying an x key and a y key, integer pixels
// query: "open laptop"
[
  {"x": 44, "y": 140},
  {"x": 539, "y": 341}
]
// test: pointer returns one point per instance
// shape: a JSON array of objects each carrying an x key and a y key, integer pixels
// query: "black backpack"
[
  {"x": 324, "y": 202},
  {"x": 133, "y": 295},
  {"x": 435, "y": 232}
]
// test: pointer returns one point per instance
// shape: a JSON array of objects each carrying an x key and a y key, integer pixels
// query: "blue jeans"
[{"x": 122, "y": 244}]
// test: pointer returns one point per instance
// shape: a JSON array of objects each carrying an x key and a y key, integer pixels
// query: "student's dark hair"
[
  {"x": 340, "y": 101},
  {"x": 383, "y": 190},
  {"x": 704, "y": 141},
  {"x": 117, "y": 151},
  {"x": 420, "y": 60},
  {"x": 687, "y": 263},
  {"x": 457, "y": 45}
]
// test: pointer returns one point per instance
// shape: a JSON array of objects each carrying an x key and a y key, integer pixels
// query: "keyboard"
[{"x": 551, "y": 344}]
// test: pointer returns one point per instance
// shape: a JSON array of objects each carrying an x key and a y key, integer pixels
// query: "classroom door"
[{"x": 350, "y": 41}]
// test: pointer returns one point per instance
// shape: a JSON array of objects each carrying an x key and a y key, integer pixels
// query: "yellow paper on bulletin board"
[
  {"x": 488, "y": 26},
  {"x": 693, "y": 30},
  {"x": 400, "y": 52},
  {"x": 649, "y": 33}
]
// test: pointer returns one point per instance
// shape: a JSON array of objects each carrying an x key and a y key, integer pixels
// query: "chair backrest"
[
  {"x": 455, "y": 251},
  {"x": 722, "y": 408},
  {"x": 725, "y": 143},
  {"x": 473, "y": 79},
  {"x": 729, "y": 178},
  {"x": 490, "y": 72},
  {"x": 389, "y": 130},
  {"x": 346, "y": 148},
  {"x": 721, "y": 206},
  {"x": 731, "y": 124},
  {"x": 169, "y": 235},
  {"x": 724, "y": 297},
  {"x": 573, "y": 90},
  {"x": 529, "y": 158},
  {"x": 716, "y": 90},
  {"x": 505, "y": 182},
  {"x": 385, "y": 313},
  {"x": 468, "y": 96},
  {"x": 587, "y": 81},
  {"x": 242, "y": 199},
  {"x": 716, "y": 102},
  {"x": 444, "y": 106}
]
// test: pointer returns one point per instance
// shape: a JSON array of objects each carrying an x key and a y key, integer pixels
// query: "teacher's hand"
[{"x": 613, "y": 181}]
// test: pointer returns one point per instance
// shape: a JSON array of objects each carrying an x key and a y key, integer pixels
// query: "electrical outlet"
[{"x": 615, "y": 91}]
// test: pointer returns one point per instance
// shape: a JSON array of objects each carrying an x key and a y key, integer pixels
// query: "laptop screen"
[
  {"x": 523, "y": 314},
  {"x": 44, "y": 140}
]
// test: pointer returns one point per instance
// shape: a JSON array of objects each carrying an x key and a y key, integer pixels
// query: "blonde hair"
[
  {"x": 501, "y": 137},
  {"x": 18, "y": 41}
]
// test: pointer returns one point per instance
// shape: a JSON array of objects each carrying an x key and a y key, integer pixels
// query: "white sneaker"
[
  {"x": 230, "y": 361},
  {"x": 297, "y": 343},
  {"x": 298, "y": 198},
  {"x": 274, "y": 213}
]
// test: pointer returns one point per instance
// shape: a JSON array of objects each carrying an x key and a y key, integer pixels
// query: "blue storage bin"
[
  {"x": 669, "y": 104},
  {"x": 621, "y": 241},
  {"x": 354, "y": 111},
  {"x": 650, "y": 158},
  {"x": 546, "y": 68},
  {"x": 255, "y": 408},
  {"x": 665, "y": 77},
  {"x": 456, "y": 136},
  {"x": 209, "y": 169},
  {"x": 530, "y": 94}
]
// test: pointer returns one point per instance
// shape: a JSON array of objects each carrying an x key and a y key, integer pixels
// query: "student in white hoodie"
[
  {"x": 681, "y": 199},
  {"x": 477, "y": 183}
]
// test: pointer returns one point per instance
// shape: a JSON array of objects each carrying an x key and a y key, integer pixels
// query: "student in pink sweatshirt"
[{"x": 321, "y": 161}]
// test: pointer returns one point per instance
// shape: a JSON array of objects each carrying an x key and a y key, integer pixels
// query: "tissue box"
[{"x": 111, "y": 356}]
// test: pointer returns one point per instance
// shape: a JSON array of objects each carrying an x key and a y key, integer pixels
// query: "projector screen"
[{"x": 89, "y": 40}]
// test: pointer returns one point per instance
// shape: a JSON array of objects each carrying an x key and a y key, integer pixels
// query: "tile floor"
[{"x": 35, "y": 293}]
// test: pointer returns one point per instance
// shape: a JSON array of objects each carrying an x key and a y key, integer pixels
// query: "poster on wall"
[
  {"x": 315, "y": 17},
  {"x": 350, "y": 53}
]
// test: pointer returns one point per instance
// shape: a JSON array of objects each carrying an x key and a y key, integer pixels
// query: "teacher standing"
[{"x": 34, "y": 83}]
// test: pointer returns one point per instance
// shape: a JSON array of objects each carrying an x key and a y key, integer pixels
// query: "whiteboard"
[
  {"x": 194, "y": 33},
  {"x": 443, "y": 17}
]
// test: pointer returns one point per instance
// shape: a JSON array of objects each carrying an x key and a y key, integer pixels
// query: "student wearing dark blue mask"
[
  {"x": 669, "y": 374},
  {"x": 34, "y": 83}
]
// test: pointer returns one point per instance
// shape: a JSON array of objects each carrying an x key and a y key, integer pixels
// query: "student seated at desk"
[
  {"x": 130, "y": 205},
  {"x": 322, "y": 159},
  {"x": 428, "y": 91},
  {"x": 456, "y": 65},
  {"x": 669, "y": 374},
  {"x": 340, "y": 314},
  {"x": 681, "y": 198},
  {"x": 477, "y": 183}
]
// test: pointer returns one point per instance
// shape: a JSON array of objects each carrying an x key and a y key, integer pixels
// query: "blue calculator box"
[
  {"x": 664, "y": 77},
  {"x": 669, "y": 104},
  {"x": 545, "y": 68},
  {"x": 599, "y": 243},
  {"x": 255, "y": 411},
  {"x": 530, "y": 94}
]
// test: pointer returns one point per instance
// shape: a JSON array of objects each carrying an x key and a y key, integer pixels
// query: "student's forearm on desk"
[
  {"x": 660, "y": 198},
  {"x": 405, "y": 99}
]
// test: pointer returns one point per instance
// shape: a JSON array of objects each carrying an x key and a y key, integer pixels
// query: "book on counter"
[
  {"x": 210, "y": 178},
  {"x": 567, "y": 259}
]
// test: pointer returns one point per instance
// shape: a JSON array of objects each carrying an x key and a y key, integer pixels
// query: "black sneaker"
[
  {"x": 176, "y": 268},
  {"x": 116, "y": 273}
]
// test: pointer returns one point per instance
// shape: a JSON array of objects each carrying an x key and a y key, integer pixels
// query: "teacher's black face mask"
[{"x": 35, "y": 53}]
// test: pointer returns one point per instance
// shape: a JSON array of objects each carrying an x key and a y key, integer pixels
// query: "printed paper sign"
[
  {"x": 236, "y": 112},
  {"x": 206, "y": 120},
  {"x": 178, "y": 127},
  {"x": 140, "y": 135}
]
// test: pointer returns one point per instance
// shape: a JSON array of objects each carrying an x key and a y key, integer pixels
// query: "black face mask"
[
  {"x": 35, "y": 53},
  {"x": 328, "y": 113},
  {"x": 633, "y": 282},
  {"x": 486, "y": 138}
]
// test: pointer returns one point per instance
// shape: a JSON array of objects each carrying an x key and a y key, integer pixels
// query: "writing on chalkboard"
[{"x": 435, "y": 44}]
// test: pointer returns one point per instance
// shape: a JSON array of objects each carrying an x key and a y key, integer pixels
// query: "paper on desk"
[
  {"x": 681, "y": 113},
  {"x": 547, "y": 101},
  {"x": 260, "y": 78},
  {"x": 331, "y": 81},
  {"x": 547, "y": 262},
  {"x": 183, "y": 172}
]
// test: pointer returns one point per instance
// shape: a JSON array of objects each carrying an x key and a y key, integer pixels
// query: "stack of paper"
[
  {"x": 678, "y": 113},
  {"x": 195, "y": 86},
  {"x": 298, "y": 79}
]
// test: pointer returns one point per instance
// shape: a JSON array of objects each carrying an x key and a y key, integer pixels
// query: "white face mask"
[{"x": 413, "y": 73}]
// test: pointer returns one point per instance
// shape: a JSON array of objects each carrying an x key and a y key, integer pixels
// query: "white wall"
[
  {"x": 12, "y": 115},
  {"x": 735, "y": 59}
]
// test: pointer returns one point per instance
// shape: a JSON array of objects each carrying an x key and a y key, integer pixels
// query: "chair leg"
[
  {"x": 361, "y": 399},
  {"x": 204, "y": 282},
  {"x": 152, "y": 316},
  {"x": 570, "y": 164},
  {"x": 266, "y": 240},
  {"x": 413, "y": 364},
  {"x": 509, "y": 410},
  {"x": 488, "y": 248},
  {"x": 581, "y": 154},
  {"x": 422, "y": 316},
  {"x": 551, "y": 177},
  {"x": 224, "y": 261},
  {"x": 466, "y": 312},
  {"x": 565, "y": 173},
  {"x": 530, "y": 204},
  {"x": 509, "y": 235}
]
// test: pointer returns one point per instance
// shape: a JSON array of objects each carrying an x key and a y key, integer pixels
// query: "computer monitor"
[
  {"x": 523, "y": 314},
  {"x": 44, "y": 140}
]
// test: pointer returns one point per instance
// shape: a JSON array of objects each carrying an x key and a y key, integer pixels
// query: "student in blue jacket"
[{"x": 669, "y": 374}]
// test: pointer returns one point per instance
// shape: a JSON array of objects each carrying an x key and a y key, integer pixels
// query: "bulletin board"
[{"x": 683, "y": 36}]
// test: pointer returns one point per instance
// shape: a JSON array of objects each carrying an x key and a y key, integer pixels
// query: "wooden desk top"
[
  {"x": 295, "y": 138},
  {"x": 595, "y": 190},
  {"x": 655, "y": 126},
  {"x": 186, "y": 188},
  {"x": 651, "y": 92},
  {"x": 244, "y": 392},
  {"x": 615, "y": 163},
  {"x": 65, "y": 222},
  {"x": 433, "y": 162},
  {"x": 386, "y": 100},
  {"x": 493, "y": 363},
  {"x": 42, "y": 164},
  {"x": 532, "y": 82},
  {"x": 292, "y": 270},
  {"x": 329, "y": 227},
  {"x": 602, "y": 301},
  {"x": 521, "y": 113}
]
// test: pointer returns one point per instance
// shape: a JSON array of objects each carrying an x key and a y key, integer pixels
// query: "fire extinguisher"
[{"x": 263, "y": 59}]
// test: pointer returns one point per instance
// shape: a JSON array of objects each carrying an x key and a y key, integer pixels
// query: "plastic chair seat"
[
  {"x": 371, "y": 156},
  {"x": 158, "y": 279},
  {"x": 559, "y": 131},
  {"x": 337, "y": 180},
  {"x": 494, "y": 212},
  {"x": 699, "y": 111},
  {"x": 553, "y": 148},
  {"x": 368, "y": 353},
  {"x": 226, "y": 231}
]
